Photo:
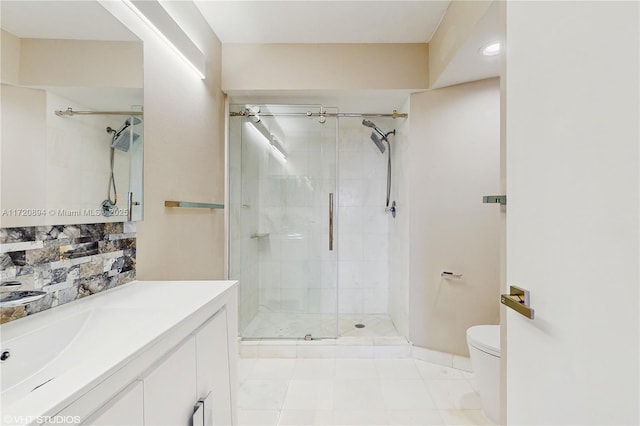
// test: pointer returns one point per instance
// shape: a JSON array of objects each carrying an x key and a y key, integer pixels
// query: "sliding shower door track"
[{"x": 304, "y": 338}]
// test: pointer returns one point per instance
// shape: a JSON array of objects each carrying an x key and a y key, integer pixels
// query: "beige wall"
[
  {"x": 452, "y": 33},
  {"x": 325, "y": 66},
  {"x": 10, "y": 58},
  {"x": 454, "y": 159},
  {"x": 105, "y": 63},
  {"x": 44, "y": 62},
  {"x": 183, "y": 160}
]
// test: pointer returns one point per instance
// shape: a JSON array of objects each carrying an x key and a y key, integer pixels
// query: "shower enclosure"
[{"x": 282, "y": 204}]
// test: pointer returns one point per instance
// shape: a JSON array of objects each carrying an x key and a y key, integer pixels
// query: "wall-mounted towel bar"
[
  {"x": 450, "y": 275},
  {"x": 518, "y": 300},
  {"x": 70, "y": 112},
  {"x": 259, "y": 235},
  {"x": 495, "y": 199},
  {"x": 191, "y": 205}
]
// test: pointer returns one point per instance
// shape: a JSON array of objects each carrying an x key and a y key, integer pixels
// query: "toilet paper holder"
[
  {"x": 451, "y": 275},
  {"x": 518, "y": 300}
]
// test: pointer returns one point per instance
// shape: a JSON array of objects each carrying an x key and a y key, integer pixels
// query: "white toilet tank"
[{"x": 484, "y": 349}]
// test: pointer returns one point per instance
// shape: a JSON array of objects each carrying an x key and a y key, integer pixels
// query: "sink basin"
[
  {"x": 89, "y": 337},
  {"x": 31, "y": 352}
]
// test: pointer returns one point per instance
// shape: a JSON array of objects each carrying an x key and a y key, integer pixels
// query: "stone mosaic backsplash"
[{"x": 67, "y": 262}]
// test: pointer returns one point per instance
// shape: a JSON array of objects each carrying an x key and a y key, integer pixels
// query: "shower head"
[
  {"x": 376, "y": 140},
  {"x": 124, "y": 139},
  {"x": 135, "y": 120},
  {"x": 375, "y": 137}
]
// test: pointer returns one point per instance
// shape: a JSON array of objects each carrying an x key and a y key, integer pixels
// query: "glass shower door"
[{"x": 282, "y": 237}]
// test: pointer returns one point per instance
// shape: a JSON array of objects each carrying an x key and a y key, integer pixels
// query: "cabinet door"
[
  {"x": 213, "y": 368},
  {"x": 170, "y": 389},
  {"x": 123, "y": 410}
]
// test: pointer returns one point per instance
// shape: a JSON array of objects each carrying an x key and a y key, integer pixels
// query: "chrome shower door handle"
[
  {"x": 331, "y": 221},
  {"x": 129, "y": 206}
]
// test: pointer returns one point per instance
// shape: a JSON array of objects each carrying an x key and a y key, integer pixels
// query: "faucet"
[
  {"x": 11, "y": 299},
  {"x": 11, "y": 283}
]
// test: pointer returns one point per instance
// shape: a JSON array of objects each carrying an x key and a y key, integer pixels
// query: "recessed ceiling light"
[{"x": 491, "y": 49}]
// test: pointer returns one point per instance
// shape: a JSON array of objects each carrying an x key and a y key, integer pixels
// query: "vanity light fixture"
[
  {"x": 491, "y": 49},
  {"x": 162, "y": 24}
]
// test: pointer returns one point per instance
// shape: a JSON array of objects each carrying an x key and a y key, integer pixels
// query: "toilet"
[{"x": 484, "y": 349}]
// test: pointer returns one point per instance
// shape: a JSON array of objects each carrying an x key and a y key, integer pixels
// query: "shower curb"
[{"x": 358, "y": 348}]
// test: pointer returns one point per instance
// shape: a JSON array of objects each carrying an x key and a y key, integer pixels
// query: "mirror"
[{"x": 75, "y": 58}]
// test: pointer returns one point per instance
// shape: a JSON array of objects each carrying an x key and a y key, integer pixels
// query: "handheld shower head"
[{"x": 369, "y": 123}]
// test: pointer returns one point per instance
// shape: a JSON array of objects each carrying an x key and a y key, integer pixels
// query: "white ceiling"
[
  {"x": 77, "y": 20},
  {"x": 323, "y": 21}
]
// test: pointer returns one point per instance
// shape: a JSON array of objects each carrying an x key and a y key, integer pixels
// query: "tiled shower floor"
[{"x": 287, "y": 325}]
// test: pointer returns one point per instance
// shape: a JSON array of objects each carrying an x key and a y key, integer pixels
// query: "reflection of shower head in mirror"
[
  {"x": 121, "y": 139},
  {"x": 136, "y": 120}
]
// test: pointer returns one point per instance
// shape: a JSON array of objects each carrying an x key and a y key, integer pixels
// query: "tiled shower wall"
[
  {"x": 296, "y": 274},
  {"x": 278, "y": 233},
  {"x": 297, "y": 270},
  {"x": 67, "y": 262},
  {"x": 363, "y": 237}
]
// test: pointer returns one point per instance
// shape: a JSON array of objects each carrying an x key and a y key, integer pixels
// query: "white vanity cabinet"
[
  {"x": 199, "y": 367},
  {"x": 125, "y": 409},
  {"x": 214, "y": 372},
  {"x": 170, "y": 388},
  {"x": 167, "y": 393}
]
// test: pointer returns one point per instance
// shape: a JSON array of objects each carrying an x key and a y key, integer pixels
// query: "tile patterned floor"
[
  {"x": 276, "y": 325},
  {"x": 355, "y": 392}
]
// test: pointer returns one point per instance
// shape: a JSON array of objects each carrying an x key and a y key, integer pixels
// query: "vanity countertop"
[{"x": 60, "y": 354}]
